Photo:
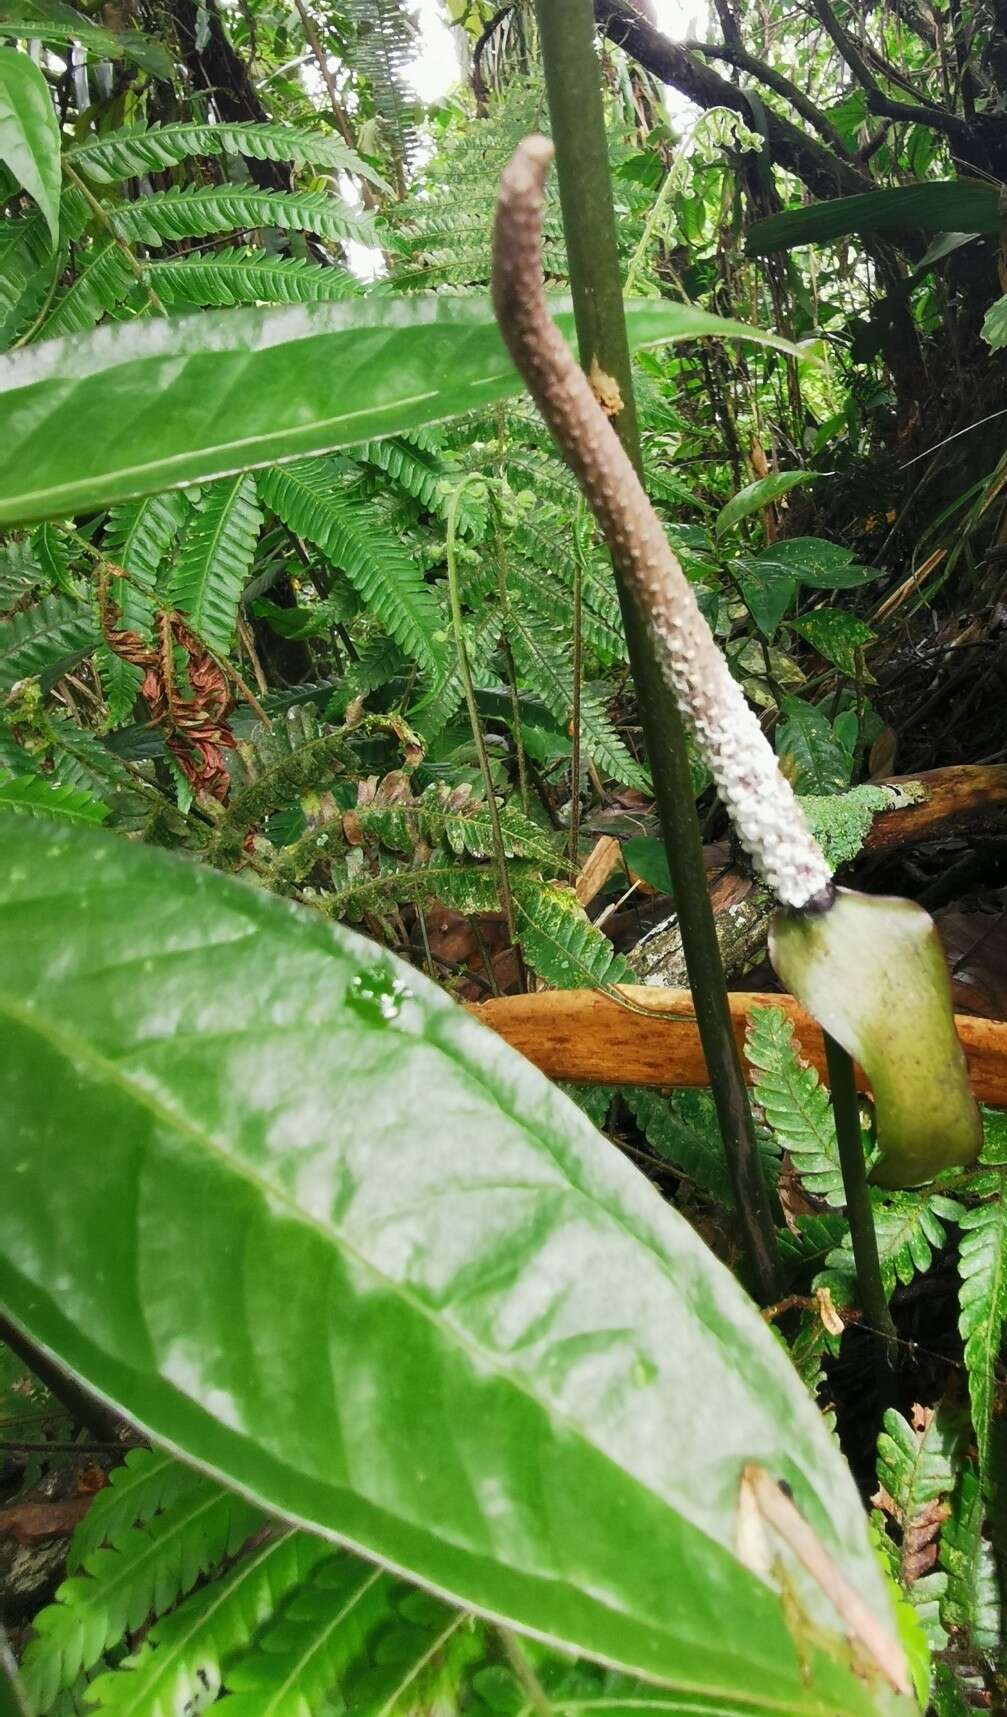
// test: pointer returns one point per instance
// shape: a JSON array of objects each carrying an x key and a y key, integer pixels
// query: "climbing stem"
[
  {"x": 499, "y": 853},
  {"x": 566, "y": 29},
  {"x": 846, "y": 1109},
  {"x": 581, "y": 533}
]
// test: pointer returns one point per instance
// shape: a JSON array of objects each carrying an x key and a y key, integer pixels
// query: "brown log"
[
  {"x": 968, "y": 795},
  {"x": 585, "y": 1036}
]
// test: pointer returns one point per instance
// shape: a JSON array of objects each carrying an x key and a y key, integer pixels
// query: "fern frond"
[
  {"x": 298, "y": 1663},
  {"x": 309, "y": 496},
  {"x": 147, "y": 1482},
  {"x": 683, "y": 1129},
  {"x": 120, "y": 683},
  {"x": 430, "y": 716},
  {"x": 146, "y": 1571},
  {"x": 541, "y": 652},
  {"x": 197, "y": 212},
  {"x": 240, "y": 275},
  {"x": 81, "y": 759},
  {"x": 909, "y": 1228},
  {"x": 384, "y": 48},
  {"x": 560, "y": 942},
  {"x": 25, "y": 248},
  {"x": 917, "y": 1470},
  {"x": 137, "y": 537},
  {"x": 464, "y": 828},
  {"x": 104, "y": 278},
  {"x": 40, "y": 796},
  {"x": 418, "y": 1661},
  {"x": 123, "y": 154},
  {"x": 215, "y": 559},
  {"x": 459, "y": 887},
  {"x": 543, "y": 540},
  {"x": 52, "y": 551},
  {"x": 971, "y": 1603},
  {"x": 23, "y": 321},
  {"x": 810, "y": 1240},
  {"x": 41, "y": 639},
  {"x": 544, "y": 595},
  {"x": 181, "y": 1665},
  {"x": 419, "y": 474},
  {"x": 982, "y": 1265},
  {"x": 795, "y": 1103},
  {"x": 21, "y": 575}
]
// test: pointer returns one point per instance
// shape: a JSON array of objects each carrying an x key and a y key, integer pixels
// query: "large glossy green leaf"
[
  {"x": 144, "y": 406},
  {"x": 29, "y": 134},
  {"x": 872, "y": 971},
  {"x": 940, "y": 205},
  {"x": 285, "y": 1203}
]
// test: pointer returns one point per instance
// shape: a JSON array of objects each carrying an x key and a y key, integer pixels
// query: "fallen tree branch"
[
  {"x": 587, "y": 1037},
  {"x": 736, "y": 55},
  {"x": 824, "y": 173}
]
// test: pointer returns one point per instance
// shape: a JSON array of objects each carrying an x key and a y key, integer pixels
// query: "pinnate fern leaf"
[
  {"x": 138, "y": 536},
  {"x": 917, "y": 1470},
  {"x": 971, "y": 1603},
  {"x": 145, "y": 1571},
  {"x": 183, "y": 1661},
  {"x": 206, "y": 209},
  {"x": 542, "y": 654},
  {"x": 795, "y": 1103},
  {"x": 443, "y": 698},
  {"x": 310, "y": 497},
  {"x": 982, "y": 1264},
  {"x": 39, "y": 639},
  {"x": 460, "y": 887},
  {"x": 147, "y": 1482},
  {"x": 52, "y": 552},
  {"x": 216, "y": 557},
  {"x": 304, "y": 1657},
  {"x": 123, "y": 154},
  {"x": 560, "y": 942},
  {"x": 909, "y": 1228},
  {"x": 682, "y": 1128},
  {"x": 41, "y": 796},
  {"x": 239, "y": 275},
  {"x": 104, "y": 278},
  {"x": 462, "y": 825}
]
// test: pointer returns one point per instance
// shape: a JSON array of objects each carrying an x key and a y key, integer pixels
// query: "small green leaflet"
[
  {"x": 813, "y": 759},
  {"x": 837, "y": 637},
  {"x": 995, "y": 326},
  {"x": 758, "y": 495},
  {"x": 813, "y": 561}
]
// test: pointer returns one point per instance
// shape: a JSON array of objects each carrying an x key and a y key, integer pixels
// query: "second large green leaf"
[
  {"x": 938, "y": 205},
  {"x": 144, "y": 406},
  {"x": 279, "y": 1198}
]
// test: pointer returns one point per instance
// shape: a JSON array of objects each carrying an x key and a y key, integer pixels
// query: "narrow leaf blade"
[{"x": 154, "y": 405}]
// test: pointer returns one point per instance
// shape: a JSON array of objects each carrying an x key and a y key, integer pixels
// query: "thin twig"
[{"x": 499, "y": 854}]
